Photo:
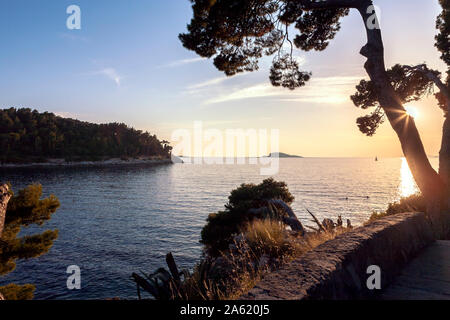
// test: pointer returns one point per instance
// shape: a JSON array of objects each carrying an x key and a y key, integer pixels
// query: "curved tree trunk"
[
  {"x": 428, "y": 181},
  {"x": 4, "y": 199},
  {"x": 444, "y": 159},
  {"x": 444, "y": 154}
]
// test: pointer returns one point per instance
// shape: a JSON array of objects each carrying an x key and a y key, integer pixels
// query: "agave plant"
[{"x": 162, "y": 284}]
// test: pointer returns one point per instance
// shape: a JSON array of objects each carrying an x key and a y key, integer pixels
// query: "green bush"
[{"x": 221, "y": 226}]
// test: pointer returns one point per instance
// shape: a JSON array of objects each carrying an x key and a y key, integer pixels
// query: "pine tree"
[
  {"x": 411, "y": 83},
  {"x": 17, "y": 211},
  {"x": 236, "y": 34}
]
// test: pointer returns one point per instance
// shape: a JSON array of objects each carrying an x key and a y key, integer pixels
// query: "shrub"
[
  {"x": 240, "y": 246},
  {"x": 266, "y": 247},
  {"x": 220, "y": 227},
  {"x": 414, "y": 203}
]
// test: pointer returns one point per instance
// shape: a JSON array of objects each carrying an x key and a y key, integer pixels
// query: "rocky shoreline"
[{"x": 110, "y": 162}]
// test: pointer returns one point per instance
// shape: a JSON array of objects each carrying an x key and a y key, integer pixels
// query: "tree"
[
  {"x": 30, "y": 136},
  {"x": 411, "y": 83},
  {"x": 15, "y": 212},
  {"x": 239, "y": 32},
  {"x": 443, "y": 96}
]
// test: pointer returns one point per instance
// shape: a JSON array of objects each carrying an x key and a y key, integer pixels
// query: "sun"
[{"x": 412, "y": 111}]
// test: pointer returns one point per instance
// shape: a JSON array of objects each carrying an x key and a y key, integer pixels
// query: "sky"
[{"x": 126, "y": 64}]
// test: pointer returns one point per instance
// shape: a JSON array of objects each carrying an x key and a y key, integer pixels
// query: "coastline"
[{"x": 61, "y": 163}]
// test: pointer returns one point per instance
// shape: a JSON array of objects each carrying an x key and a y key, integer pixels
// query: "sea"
[{"x": 116, "y": 220}]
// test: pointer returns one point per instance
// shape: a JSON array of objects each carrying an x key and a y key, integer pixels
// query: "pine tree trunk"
[
  {"x": 427, "y": 179},
  {"x": 444, "y": 159},
  {"x": 444, "y": 155},
  {"x": 4, "y": 198}
]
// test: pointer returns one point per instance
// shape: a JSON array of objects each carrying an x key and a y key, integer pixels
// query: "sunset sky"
[{"x": 126, "y": 64}]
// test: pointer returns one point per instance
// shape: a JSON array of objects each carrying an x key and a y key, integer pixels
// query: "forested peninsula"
[{"x": 29, "y": 136}]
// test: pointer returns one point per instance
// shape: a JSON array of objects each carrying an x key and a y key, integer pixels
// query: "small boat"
[{"x": 376, "y": 158}]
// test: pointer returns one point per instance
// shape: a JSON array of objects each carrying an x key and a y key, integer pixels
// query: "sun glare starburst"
[{"x": 412, "y": 111}]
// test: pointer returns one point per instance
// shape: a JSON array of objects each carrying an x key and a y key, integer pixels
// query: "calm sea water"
[{"x": 115, "y": 221}]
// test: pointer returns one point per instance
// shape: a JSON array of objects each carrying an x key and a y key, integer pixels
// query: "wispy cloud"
[
  {"x": 73, "y": 37},
  {"x": 111, "y": 73},
  {"x": 331, "y": 90},
  {"x": 208, "y": 83},
  {"x": 182, "y": 62},
  {"x": 257, "y": 91}
]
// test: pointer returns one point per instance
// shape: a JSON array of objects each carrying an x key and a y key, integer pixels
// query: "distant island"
[
  {"x": 282, "y": 155},
  {"x": 28, "y": 136}
]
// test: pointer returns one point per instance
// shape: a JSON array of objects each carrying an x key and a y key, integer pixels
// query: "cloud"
[
  {"x": 257, "y": 91},
  {"x": 73, "y": 37},
  {"x": 111, "y": 73},
  {"x": 208, "y": 84},
  {"x": 330, "y": 90},
  {"x": 182, "y": 62}
]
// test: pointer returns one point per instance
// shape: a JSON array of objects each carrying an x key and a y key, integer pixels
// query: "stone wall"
[{"x": 337, "y": 269}]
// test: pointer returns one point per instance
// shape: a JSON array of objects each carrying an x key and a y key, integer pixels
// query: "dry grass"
[
  {"x": 414, "y": 203},
  {"x": 267, "y": 238},
  {"x": 314, "y": 240},
  {"x": 264, "y": 246}
]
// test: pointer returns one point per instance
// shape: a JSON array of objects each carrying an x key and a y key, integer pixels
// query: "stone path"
[{"x": 426, "y": 278}]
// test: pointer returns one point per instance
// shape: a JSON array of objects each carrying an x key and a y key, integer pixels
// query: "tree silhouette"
[
  {"x": 237, "y": 33},
  {"x": 29, "y": 136},
  {"x": 25, "y": 209},
  {"x": 411, "y": 83}
]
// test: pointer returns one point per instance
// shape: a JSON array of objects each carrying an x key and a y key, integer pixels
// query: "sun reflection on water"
[{"x": 407, "y": 186}]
